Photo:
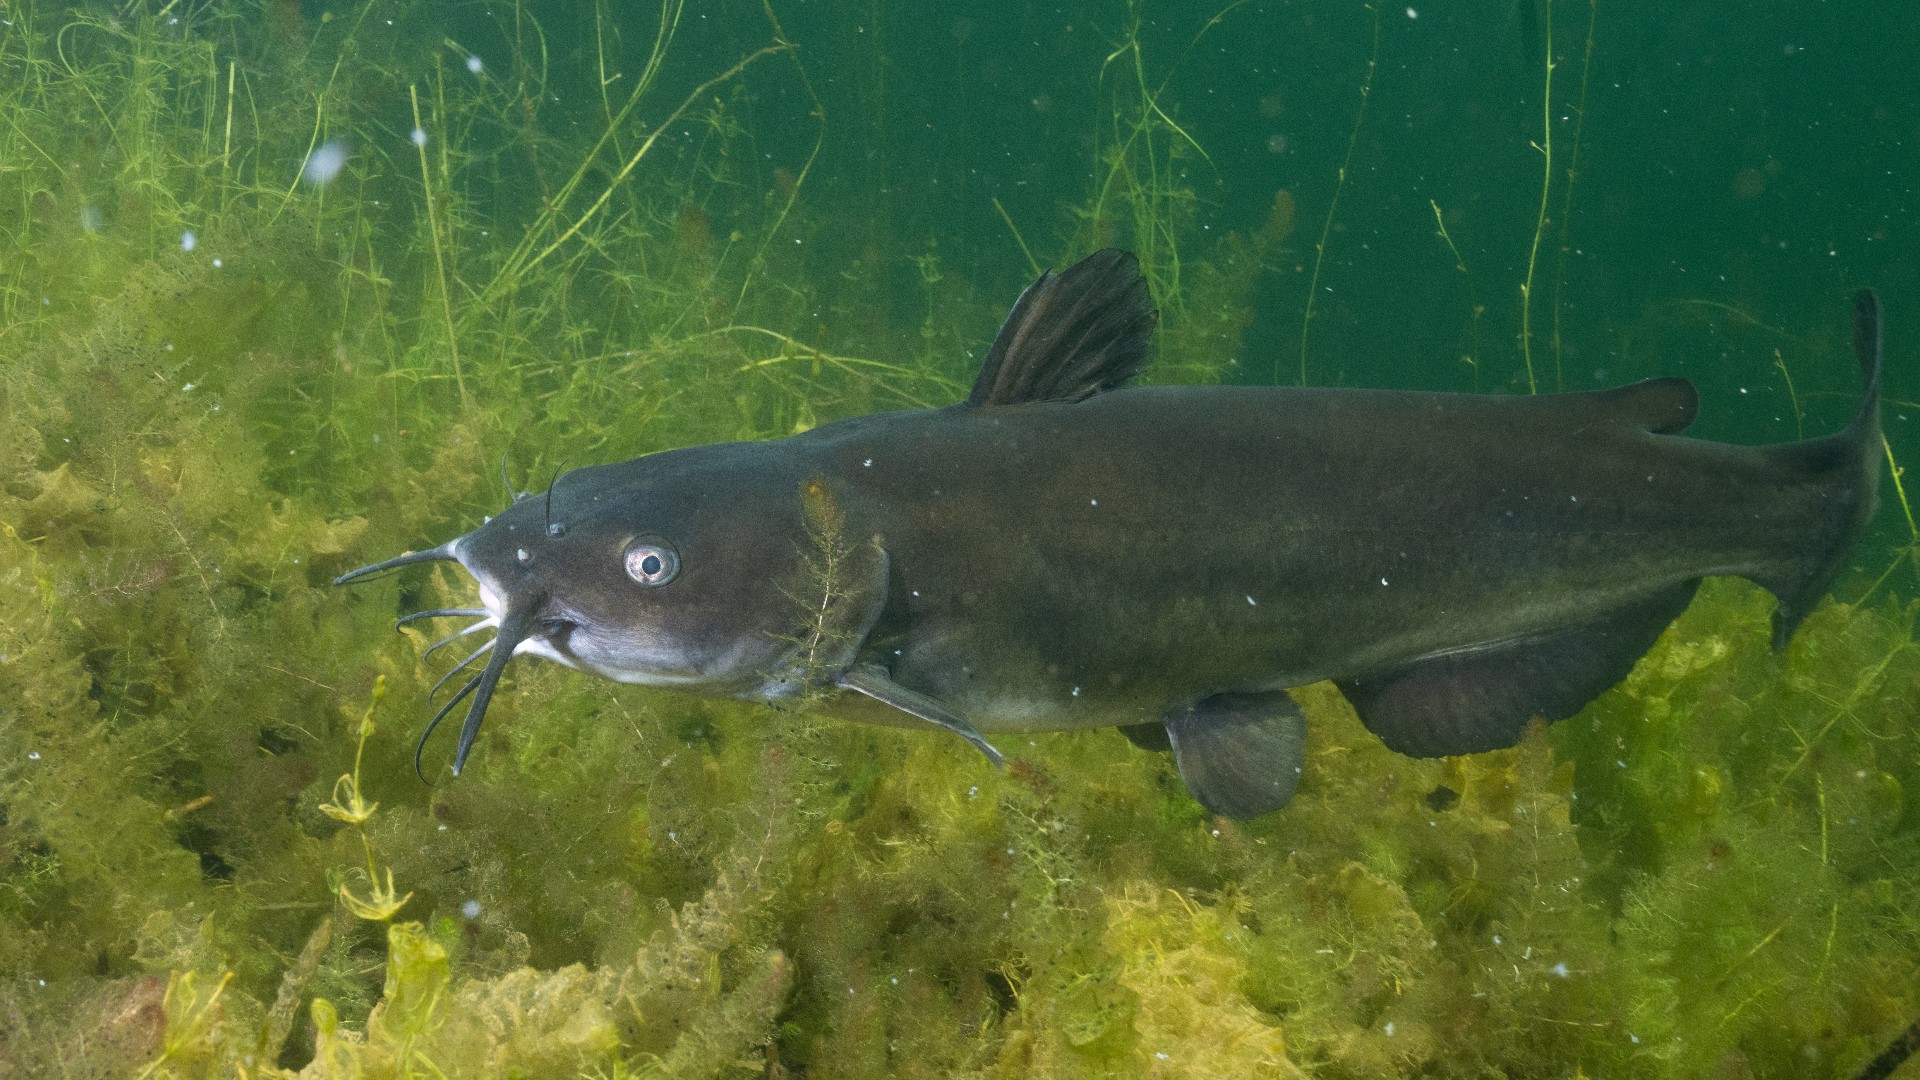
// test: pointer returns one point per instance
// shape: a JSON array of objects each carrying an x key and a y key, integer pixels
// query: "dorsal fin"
[{"x": 1071, "y": 335}]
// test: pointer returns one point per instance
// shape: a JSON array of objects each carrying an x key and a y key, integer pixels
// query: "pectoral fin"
[
  {"x": 878, "y": 685},
  {"x": 1240, "y": 754}
]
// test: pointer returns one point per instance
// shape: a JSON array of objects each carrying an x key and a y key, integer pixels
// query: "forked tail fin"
[{"x": 1846, "y": 465}]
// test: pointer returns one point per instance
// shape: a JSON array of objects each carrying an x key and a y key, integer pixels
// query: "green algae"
[{"x": 214, "y": 857}]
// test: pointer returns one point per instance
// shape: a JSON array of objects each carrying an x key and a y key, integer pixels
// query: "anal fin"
[
  {"x": 1464, "y": 701},
  {"x": 1240, "y": 754}
]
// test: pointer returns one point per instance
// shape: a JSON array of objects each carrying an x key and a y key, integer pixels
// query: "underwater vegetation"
[{"x": 279, "y": 289}]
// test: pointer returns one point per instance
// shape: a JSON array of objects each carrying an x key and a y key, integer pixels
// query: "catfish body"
[{"x": 1063, "y": 552}]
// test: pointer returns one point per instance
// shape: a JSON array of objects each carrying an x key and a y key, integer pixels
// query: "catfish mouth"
[{"x": 513, "y": 620}]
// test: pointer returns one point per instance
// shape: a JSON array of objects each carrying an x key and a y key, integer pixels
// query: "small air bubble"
[
  {"x": 326, "y": 162},
  {"x": 474, "y": 65}
]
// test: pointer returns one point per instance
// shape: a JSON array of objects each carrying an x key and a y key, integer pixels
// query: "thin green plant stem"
[
  {"x": 1545, "y": 146},
  {"x": 1566, "y": 194},
  {"x": 1906, "y": 508},
  {"x": 1333, "y": 205},
  {"x": 1793, "y": 396},
  {"x": 1472, "y": 356},
  {"x": 819, "y": 112},
  {"x": 505, "y": 277},
  {"x": 439, "y": 255},
  {"x": 226, "y": 142},
  {"x": 1910, "y": 551},
  {"x": 515, "y": 263},
  {"x": 1017, "y": 238},
  {"x": 1152, "y": 204}
]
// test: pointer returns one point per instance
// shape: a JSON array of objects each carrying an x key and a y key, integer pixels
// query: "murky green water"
[{"x": 283, "y": 282}]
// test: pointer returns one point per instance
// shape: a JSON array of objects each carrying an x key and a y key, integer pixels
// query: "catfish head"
[{"x": 699, "y": 569}]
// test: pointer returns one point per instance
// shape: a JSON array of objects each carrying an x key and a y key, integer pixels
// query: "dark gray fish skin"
[{"x": 1060, "y": 554}]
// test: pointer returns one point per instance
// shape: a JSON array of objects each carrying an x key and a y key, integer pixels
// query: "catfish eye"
[{"x": 652, "y": 564}]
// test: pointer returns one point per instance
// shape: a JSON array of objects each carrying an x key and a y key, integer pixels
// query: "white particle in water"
[
  {"x": 1412, "y": 14},
  {"x": 33, "y": 755},
  {"x": 1250, "y": 602},
  {"x": 216, "y": 264},
  {"x": 186, "y": 388},
  {"x": 1389, "y": 1029},
  {"x": 419, "y": 136},
  {"x": 867, "y": 463},
  {"x": 474, "y": 65},
  {"x": 1559, "y": 969},
  {"x": 1093, "y": 502},
  {"x": 1383, "y": 581},
  {"x": 326, "y": 162},
  {"x": 187, "y": 240},
  {"x": 471, "y": 909}
]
